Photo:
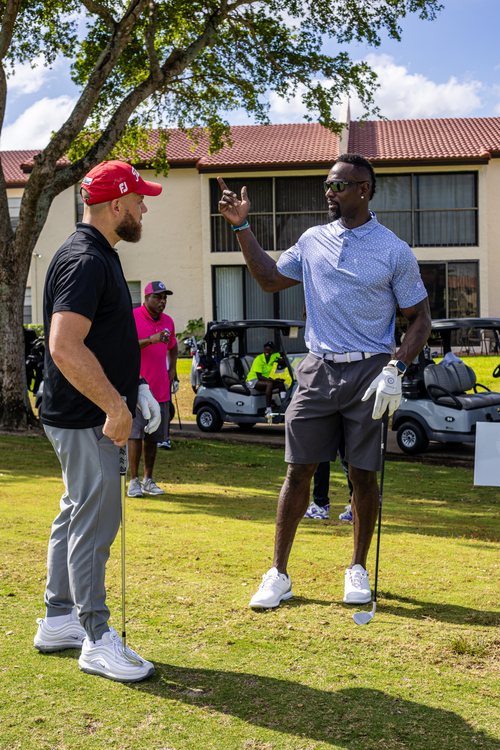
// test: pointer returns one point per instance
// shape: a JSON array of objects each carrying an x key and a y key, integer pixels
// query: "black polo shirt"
[{"x": 85, "y": 276}]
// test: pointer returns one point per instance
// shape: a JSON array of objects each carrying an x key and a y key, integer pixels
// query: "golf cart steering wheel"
[{"x": 496, "y": 372}]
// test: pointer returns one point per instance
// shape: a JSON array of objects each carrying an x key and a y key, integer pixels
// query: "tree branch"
[
  {"x": 150, "y": 39},
  {"x": 101, "y": 11},
  {"x": 7, "y": 27}
]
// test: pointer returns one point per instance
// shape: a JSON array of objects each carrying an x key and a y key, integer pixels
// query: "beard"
[
  {"x": 129, "y": 229},
  {"x": 333, "y": 213}
]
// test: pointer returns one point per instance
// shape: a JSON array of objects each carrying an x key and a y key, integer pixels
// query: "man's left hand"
[
  {"x": 387, "y": 389},
  {"x": 175, "y": 385},
  {"x": 150, "y": 408}
]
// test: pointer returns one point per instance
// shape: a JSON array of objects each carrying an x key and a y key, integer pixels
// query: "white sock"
[{"x": 56, "y": 622}]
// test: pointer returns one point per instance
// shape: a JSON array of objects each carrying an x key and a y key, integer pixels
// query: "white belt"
[{"x": 347, "y": 357}]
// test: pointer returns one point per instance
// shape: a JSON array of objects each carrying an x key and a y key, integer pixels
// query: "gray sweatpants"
[{"x": 85, "y": 528}]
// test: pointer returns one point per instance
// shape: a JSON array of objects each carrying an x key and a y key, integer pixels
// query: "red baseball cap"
[{"x": 114, "y": 179}]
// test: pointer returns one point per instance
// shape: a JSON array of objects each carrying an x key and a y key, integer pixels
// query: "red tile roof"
[
  {"x": 457, "y": 138},
  {"x": 11, "y": 164},
  {"x": 310, "y": 145}
]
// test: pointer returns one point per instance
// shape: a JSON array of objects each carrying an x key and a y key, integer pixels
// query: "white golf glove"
[
  {"x": 175, "y": 386},
  {"x": 387, "y": 389},
  {"x": 150, "y": 408}
]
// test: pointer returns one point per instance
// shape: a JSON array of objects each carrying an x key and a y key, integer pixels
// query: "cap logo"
[
  {"x": 123, "y": 187},
  {"x": 161, "y": 285},
  {"x": 135, "y": 173},
  {"x": 87, "y": 181}
]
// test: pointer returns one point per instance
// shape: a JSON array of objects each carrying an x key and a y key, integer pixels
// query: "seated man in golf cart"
[{"x": 259, "y": 375}]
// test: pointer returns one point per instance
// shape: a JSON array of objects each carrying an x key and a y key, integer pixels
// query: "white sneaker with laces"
[
  {"x": 275, "y": 588},
  {"x": 357, "y": 586},
  {"x": 149, "y": 487},
  {"x": 134, "y": 488},
  {"x": 109, "y": 661},
  {"x": 68, "y": 635}
]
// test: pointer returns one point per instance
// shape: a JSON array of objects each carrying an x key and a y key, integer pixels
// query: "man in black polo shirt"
[{"x": 90, "y": 392}]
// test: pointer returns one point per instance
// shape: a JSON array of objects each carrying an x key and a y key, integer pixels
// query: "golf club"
[
  {"x": 363, "y": 618},
  {"x": 178, "y": 412},
  {"x": 123, "y": 475}
]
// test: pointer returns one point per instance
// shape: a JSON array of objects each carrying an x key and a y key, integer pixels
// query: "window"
[
  {"x": 282, "y": 209},
  {"x": 14, "y": 206},
  {"x": 429, "y": 210},
  {"x": 27, "y": 316},
  {"x": 453, "y": 289},
  {"x": 237, "y": 296},
  {"x": 79, "y": 204},
  {"x": 134, "y": 288}
]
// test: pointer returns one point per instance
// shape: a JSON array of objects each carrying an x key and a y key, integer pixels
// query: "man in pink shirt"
[{"x": 156, "y": 332}]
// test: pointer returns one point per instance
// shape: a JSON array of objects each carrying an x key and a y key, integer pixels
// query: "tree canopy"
[{"x": 144, "y": 64}]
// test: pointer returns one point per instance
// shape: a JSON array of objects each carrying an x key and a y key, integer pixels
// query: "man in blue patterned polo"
[{"x": 355, "y": 273}]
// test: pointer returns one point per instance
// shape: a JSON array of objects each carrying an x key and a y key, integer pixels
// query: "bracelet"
[{"x": 246, "y": 225}]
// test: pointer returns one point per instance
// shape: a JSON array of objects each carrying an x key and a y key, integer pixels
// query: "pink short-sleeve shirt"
[{"x": 154, "y": 356}]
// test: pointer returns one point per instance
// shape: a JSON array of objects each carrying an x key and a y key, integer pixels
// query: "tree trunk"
[{"x": 15, "y": 407}]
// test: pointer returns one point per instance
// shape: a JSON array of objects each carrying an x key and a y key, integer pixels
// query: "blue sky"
[{"x": 446, "y": 68}]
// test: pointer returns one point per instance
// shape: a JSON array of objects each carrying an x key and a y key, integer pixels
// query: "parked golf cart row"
[
  {"x": 436, "y": 403},
  {"x": 225, "y": 361}
]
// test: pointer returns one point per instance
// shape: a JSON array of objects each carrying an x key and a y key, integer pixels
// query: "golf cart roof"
[
  {"x": 235, "y": 325},
  {"x": 453, "y": 324}
]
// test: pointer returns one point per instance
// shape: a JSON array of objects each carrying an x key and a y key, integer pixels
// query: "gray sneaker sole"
[
  {"x": 358, "y": 600},
  {"x": 116, "y": 679},
  {"x": 54, "y": 647},
  {"x": 286, "y": 596},
  {"x": 147, "y": 492}
]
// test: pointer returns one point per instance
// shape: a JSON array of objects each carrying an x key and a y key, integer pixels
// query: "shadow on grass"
[
  {"x": 351, "y": 718},
  {"x": 451, "y": 613}
]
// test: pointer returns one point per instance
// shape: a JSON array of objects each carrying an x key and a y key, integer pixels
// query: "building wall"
[{"x": 492, "y": 219}]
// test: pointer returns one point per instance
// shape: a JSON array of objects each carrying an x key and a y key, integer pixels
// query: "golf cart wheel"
[
  {"x": 496, "y": 372},
  {"x": 412, "y": 438},
  {"x": 171, "y": 410},
  {"x": 208, "y": 419},
  {"x": 246, "y": 425}
]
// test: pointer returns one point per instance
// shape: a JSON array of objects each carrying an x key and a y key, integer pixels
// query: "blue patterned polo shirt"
[{"x": 353, "y": 281}]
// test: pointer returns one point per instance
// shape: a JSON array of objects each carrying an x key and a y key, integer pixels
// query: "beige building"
[{"x": 437, "y": 186}]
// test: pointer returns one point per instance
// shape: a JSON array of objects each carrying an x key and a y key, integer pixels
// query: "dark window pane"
[
  {"x": 445, "y": 190},
  {"x": 300, "y": 194},
  {"x": 393, "y": 193},
  {"x": 260, "y": 193},
  {"x": 434, "y": 278},
  {"x": 289, "y": 227},
  {"x": 445, "y": 228},
  {"x": 463, "y": 290}
]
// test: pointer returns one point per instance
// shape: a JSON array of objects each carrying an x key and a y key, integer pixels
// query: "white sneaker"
[
  {"x": 68, "y": 635},
  {"x": 357, "y": 586},
  {"x": 134, "y": 488},
  {"x": 109, "y": 661},
  {"x": 275, "y": 588},
  {"x": 149, "y": 487}
]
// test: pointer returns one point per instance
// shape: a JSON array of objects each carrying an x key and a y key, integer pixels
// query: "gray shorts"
[
  {"x": 139, "y": 424},
  {"x": 328, "y": 402}
]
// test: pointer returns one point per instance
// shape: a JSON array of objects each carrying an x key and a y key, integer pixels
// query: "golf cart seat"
[
  {"x": 233, "y": 372},
  {"x": 446, "y": 385}
]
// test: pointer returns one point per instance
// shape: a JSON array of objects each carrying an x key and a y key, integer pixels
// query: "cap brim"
[{"x": 150, "y": 188}]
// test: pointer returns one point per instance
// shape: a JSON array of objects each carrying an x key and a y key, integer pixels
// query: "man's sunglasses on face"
[{"x": 338, "y": 186}]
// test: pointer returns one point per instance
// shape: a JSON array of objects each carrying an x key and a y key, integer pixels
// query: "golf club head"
[{"x": 363, "y": 618}]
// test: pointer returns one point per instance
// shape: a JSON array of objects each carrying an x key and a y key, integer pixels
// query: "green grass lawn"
[{"x": 424, "y": 675}]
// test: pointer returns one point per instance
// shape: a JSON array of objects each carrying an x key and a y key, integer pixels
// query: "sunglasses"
[{"x": 338, "y": 186}]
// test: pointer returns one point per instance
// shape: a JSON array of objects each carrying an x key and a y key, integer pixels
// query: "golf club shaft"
[
  {"x": 178, "y": 412},
  {"x": 383, "y": 446},
  {"x": 123, "y": 476}
]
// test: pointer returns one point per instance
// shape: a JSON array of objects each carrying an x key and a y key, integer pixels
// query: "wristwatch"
[{"x": 400, "y": 366}]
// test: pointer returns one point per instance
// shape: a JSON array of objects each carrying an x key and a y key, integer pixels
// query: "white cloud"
[
  {"x": 404, "y": 95},
  {"x": 401, "y": 95},
  {"x": 27, "y": 80},
  {"x": 33, "y": 128}
]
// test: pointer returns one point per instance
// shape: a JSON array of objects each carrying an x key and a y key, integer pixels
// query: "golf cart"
[
  {"x": 436, "y": 403},
  {"x": 230, "y": 348}
]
